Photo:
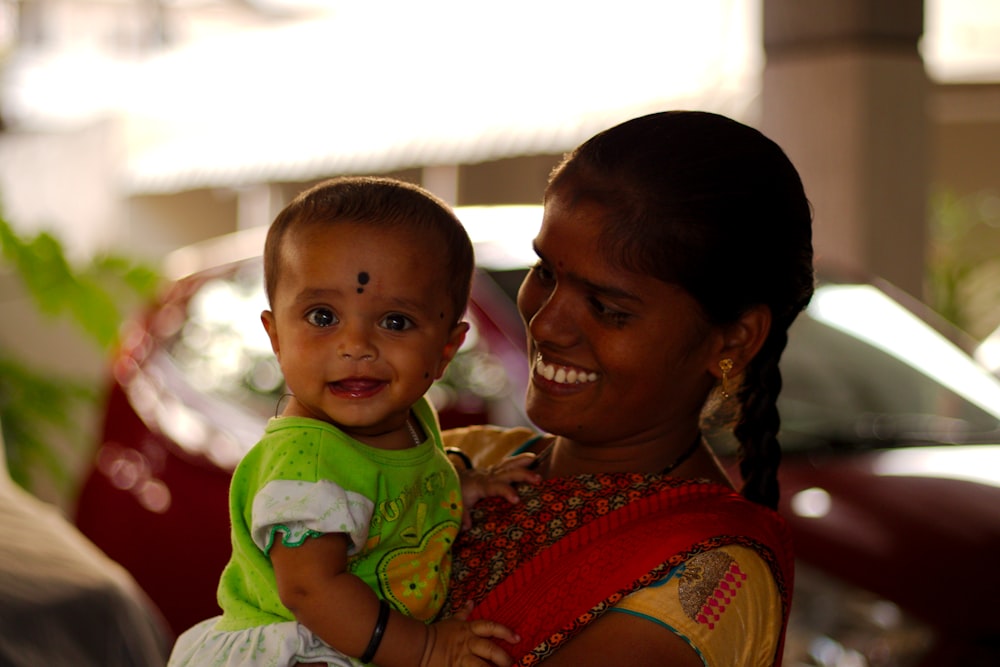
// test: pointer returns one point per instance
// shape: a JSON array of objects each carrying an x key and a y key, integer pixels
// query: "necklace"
[
  {"x": 685, "y": 455},
  {"x": 413, "y": 432}
]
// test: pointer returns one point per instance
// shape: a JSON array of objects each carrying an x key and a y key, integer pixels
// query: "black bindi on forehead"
[{"x": 363, "y": 279}]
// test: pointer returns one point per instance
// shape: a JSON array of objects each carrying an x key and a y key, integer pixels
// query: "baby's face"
[{"x": 362, "y": 323}]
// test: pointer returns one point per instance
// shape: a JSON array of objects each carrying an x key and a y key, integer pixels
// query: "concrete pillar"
[
  {"x": 845, "y": 94},
  {"x": 442, "y": 180},
  {"x": 257, "y": 205}
]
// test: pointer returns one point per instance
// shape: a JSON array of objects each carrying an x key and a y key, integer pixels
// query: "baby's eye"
[
  {"x": 321, "y": 317},
  {"x": 396, "y": 322}
]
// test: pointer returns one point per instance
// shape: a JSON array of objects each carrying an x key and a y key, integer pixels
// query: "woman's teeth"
[{"x": 561, "y": 374}]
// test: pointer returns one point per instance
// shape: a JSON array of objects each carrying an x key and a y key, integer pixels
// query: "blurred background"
[
  {"x": 131, "y": 128},
  {"x": 134, "y": 130}
]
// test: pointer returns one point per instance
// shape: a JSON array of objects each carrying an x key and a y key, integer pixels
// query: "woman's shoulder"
[{"x": 487, "y": 444}]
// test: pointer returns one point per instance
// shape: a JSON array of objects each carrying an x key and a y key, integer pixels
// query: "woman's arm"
[
  {"x": 624, "y": 639},
  {"x": 339, "y": 608}
]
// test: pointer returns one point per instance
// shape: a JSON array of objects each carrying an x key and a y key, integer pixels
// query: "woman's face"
[{"x": 616, "y": 357}]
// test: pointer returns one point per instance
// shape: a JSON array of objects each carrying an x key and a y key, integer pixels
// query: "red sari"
[{"x": 574, "y": 547}]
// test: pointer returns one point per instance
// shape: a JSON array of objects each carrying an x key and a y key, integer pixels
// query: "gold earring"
[{"x": 725, "y": 365}]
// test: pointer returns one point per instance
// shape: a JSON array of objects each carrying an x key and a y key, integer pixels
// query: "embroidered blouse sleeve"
[
  {"x": 724, "y": 602},
  {"x": 487, "y": 445}
]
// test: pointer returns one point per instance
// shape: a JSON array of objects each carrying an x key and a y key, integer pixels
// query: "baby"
[{"x": 344, "y": 513}]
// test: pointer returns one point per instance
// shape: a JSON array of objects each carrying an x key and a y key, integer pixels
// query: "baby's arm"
[{"x": 339, "y": 608}]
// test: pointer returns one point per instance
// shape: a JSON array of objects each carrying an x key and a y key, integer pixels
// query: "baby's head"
[
  {"x": 367, "y": 280},
  {"x": 386, "y": 204}
]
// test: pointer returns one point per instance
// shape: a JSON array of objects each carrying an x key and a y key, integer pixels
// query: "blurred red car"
[{"x": 890, "y": 480}]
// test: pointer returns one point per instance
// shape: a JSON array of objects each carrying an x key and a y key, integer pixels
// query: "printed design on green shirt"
[
  {"x": 415, "y": 578},
  {"x": 390, "y": 511},
  {"x": 422, "y": 519}
]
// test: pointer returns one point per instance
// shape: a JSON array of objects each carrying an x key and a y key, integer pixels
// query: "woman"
[{"x": 675, "y": 251}]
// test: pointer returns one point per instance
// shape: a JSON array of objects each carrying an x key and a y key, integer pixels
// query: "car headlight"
[{"x": 835, "y": 624}]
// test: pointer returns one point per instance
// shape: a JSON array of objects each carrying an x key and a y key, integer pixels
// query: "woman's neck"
[{"x": 563, "y": 457}]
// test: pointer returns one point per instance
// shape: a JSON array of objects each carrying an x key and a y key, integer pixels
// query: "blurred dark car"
[{"x": 890, "y": 478}]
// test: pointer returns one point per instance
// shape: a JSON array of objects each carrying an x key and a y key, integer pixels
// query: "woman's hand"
[{"x": 495, "y": 480}]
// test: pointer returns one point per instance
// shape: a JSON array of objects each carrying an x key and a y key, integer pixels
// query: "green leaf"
[{"x": 39, "y": 409}]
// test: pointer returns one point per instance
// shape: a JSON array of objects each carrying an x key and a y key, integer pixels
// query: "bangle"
[
  {"x": 455, "y": 451},
  {"x": 373, "y": 643}
]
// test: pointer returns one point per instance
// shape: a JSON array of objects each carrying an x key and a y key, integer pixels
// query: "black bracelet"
[
  {"x": 455, "y": 451},
  {"x": 373, "y": 643}
]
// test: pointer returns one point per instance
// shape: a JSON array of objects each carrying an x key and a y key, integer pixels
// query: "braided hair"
[{"x": 715, "y": 207}]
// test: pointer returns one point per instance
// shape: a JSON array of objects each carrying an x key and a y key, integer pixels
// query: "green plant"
[
  {"x": 963, "y": 263},
  {"x": 37, "y": 407}
]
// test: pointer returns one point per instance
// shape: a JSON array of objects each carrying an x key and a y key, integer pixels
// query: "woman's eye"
[
  {"x": 605, "y": 312},
  {"x": 543, "y": 273},
  {"x": 396, "y": 322},
  {"x": 321, "y": 317}
]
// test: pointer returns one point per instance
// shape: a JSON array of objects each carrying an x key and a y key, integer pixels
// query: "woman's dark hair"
[
  {"x": 704, "y": 202},
  {"x": 382, "y": 202}
]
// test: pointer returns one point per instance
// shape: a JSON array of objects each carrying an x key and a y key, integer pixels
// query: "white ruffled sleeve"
[{"x": 304, "y": 509}]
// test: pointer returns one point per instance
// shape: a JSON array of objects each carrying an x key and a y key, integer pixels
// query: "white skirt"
[{"x": 274, "y": 645}]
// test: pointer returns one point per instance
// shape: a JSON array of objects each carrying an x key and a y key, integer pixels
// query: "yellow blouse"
[{"x": 724, "y": 603}]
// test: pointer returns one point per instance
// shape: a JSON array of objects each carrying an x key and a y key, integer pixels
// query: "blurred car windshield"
[
  {"x": 860, "y": 370},
  {"x": 220, "y": 346}
]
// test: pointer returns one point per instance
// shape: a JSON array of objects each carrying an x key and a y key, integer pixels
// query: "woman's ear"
[
  {"x": 271, "y": 327},
  {"x": 742, "y": 340}
]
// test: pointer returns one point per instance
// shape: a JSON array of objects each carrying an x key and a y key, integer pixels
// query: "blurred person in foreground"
[{"x": 674, "y": 252}]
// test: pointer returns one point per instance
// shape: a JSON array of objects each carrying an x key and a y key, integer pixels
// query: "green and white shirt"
[{"x": 400, "y": 508}]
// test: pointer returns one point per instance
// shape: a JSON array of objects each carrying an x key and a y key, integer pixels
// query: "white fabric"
[
  {"x": 273, "y": 645},
  {"x": 300, "y": 508}
]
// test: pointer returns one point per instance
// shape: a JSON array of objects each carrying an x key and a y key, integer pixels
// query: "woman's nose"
[{"x": 552, "y": 320}]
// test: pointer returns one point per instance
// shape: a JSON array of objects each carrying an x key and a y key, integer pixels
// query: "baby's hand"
[
  {"x": 496, "y": 480},
  {"x": 455, "y": 642}
]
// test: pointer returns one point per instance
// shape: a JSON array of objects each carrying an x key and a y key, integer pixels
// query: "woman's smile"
[{"x": 562, "y": 374}]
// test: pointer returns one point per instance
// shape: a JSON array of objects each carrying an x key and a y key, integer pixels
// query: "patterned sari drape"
[{"x": 574, "y": 547}]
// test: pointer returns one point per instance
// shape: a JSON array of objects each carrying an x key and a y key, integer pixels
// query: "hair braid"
[{"x": 757, "y": 430}]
